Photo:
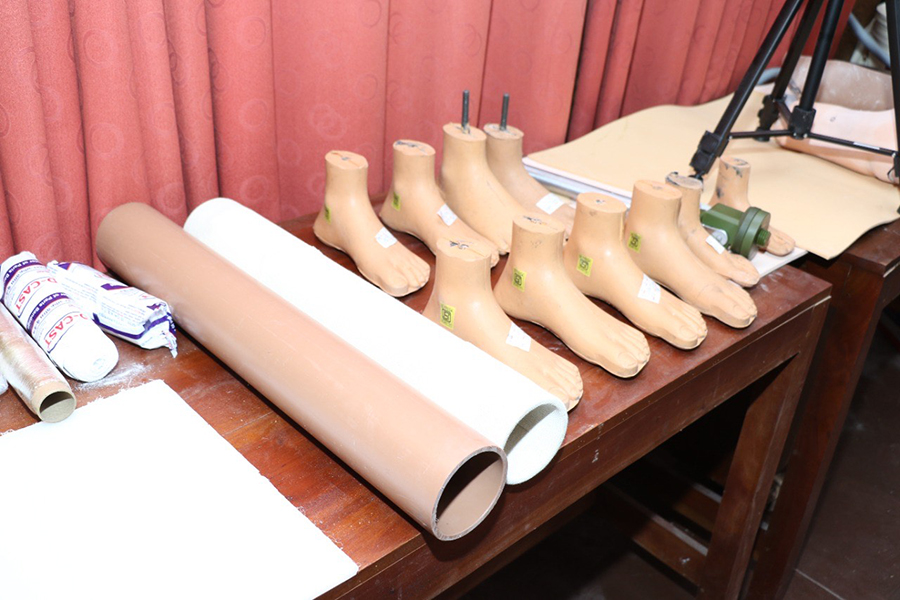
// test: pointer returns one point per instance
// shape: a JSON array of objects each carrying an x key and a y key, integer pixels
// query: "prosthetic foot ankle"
[
  {"x": 597, "y": 261},
  {"x": 534, "y": 286},
  {"x": 470, "y": 188},
  {"x": 462, "y": 301},
  {"x": 727, "y": 264},
  {"x": 655, "y": 244},
  {"x": 504, "y": 156},
  {"x": 732, "y": 185},
  {"x": 348, "y": 222},
  {"x": 415, "y": 204}
]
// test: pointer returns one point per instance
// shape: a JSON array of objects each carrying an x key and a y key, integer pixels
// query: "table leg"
[
  {"x": 765, "y": 429},
  {"x": 858, "y": 298}
]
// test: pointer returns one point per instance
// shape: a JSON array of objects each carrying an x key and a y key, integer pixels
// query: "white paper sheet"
[
  {"x": 136, "y": 496},
  {"x": 510, "y": 410}
]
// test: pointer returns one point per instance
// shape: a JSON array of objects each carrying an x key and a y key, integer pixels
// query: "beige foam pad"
[{"x": 823, "y": 206}]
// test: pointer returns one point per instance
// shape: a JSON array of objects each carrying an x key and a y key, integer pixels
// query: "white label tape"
[
  {"x": 385, "y": 238},
  {"x": 447, "y": 215},
  {"x": 518, "y": 338},
  {"x": 549, "y": 203},
  {"x": 649, "y": 290},
  {"x": 715, "y": 244}
]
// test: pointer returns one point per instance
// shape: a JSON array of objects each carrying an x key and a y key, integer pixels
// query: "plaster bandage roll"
[
  {"x": 436, "y": 469},
  {"x": 507, "y": 408},
  {"x": 74, "y": 343},
  {"x": 120, "y": 310},
  {"x": 31, "y": 374}
]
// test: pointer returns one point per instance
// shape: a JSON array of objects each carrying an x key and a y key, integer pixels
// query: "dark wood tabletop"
[{"x": 616, "y": 422}]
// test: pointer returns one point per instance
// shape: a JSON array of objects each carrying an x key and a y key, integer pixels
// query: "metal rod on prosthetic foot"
[
  {"x": 464, "y": 122},
  {"x": 504, "y": 113}
]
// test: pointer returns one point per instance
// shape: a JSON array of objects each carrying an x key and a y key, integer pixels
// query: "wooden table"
[
  {"x": 865, "y": 278},
  {"x": 617, "y": 422}
]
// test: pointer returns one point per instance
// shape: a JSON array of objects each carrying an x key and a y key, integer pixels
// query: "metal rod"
[
  {"x": 769, "y": 113},
  {"x": 820, "y": 54},
  {"x": 736, "y": 135},
  {"x": 893, "y": 21},
  {"x": 504, "y": 113},
  {"x": 465, "y": 114},
  {"x": 852, "y": 144},
  {"x": 713, "y": 144}
]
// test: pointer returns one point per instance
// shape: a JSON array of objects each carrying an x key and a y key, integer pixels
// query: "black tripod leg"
[
  {"x": 769, "y": 111},
  {"x": 803, "y": 114},
  {"x": 893, "y": 22},
  {"x": 712, "y": 144}
]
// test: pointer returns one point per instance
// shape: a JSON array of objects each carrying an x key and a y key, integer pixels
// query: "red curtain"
[
  {"x": 642, "y": 53},
  {"x": 172, "y": 102}
]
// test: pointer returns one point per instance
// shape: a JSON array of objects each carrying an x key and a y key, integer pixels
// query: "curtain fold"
[
  {"x": 643, "y": 53},
  {"x": 173, "y": 102}
]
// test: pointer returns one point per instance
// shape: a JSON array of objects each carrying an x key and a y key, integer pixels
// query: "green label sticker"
[
  {"x": 634, "y": 242},
  {"x": 396, "y": 201},
  {"x": 519, "y": 279},
  {"x": 447, "y": 313},
  {"x": 584, "y": 265},
  {"x": 327, "y": 214}
]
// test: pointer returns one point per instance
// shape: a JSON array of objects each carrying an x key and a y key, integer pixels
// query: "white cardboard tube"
[
  {"x": 513, "y": 412},
  {"x": 439, "y": 471}
]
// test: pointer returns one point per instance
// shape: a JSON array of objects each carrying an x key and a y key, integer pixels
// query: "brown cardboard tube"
[
  {"x": 30, "y": 373},
  {"x": 436, "y": 469}
]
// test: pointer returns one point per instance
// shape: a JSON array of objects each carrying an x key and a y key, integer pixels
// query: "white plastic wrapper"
[
  {"x": 61, "y": 329},
  {"x": 119, "y": 309}
]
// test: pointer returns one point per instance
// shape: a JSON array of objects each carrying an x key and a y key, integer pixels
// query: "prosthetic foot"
[
  {"x": 732, "y": 184},
  {"x": 534, "y": 286},
  {"x": 655, "y": 244},
  {"x": 462, "y": 301},
  {"x": 415, "y": 204},
  {"x": 727, "y": 264},
  {"x": 348, "y": 222},
  {"x": 597, "y": 261},
  {"x": 471, "y": 190},
  {"x": 504, "y": 156}
]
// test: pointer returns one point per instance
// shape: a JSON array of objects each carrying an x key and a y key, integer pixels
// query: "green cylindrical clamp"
[{"x": 745, "y": 230}]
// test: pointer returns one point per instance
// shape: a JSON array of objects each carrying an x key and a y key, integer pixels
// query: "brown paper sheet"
[
  {"x": 824, "y": 206},
  {"x": 436, "y": 469}
]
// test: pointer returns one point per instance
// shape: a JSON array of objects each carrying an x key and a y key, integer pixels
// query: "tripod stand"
[{"x": 800, "y": 119}]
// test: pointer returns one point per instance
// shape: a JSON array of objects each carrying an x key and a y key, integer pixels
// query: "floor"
[{"x": 853, "y": 551}]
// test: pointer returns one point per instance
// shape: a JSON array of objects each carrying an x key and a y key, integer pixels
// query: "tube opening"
[
  {"x": 533, "y": 442},
  {"x": 469, "y": 494},
  {"x": 57, "y": 406}
]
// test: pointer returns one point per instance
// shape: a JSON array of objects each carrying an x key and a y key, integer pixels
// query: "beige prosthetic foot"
[
  {"x": 732, "y": 185},
  {"x": 471, "y": 189},
  {"x": 597, "y": 261},
  {"x": 655, "y": 244},
  {"x": 348, "y": 222},
  {"x": 415, "y": 204},
  {"x": 504, "y": 156},
  {"x": 727, "y": 264},
  {"x": 534, "y": 286},
  {"x": 462, "y": 301}
]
